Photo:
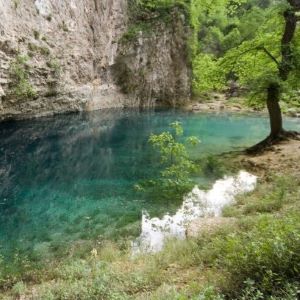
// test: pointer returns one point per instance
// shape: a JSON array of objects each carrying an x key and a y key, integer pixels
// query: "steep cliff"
[
  {"x": 58, "y": 56},
  {"x": 152, "y": 62}
]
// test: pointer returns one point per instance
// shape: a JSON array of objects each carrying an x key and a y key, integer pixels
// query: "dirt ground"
[{"x": 280, "y": 159}]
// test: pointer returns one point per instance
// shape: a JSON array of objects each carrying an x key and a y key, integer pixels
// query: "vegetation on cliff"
[{"x": 21, "y": 88}]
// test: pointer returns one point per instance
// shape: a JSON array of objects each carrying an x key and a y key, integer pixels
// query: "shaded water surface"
[{"x": 70, "y": 177}]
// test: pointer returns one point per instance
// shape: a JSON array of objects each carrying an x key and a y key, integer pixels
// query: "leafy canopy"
[{"x": 241, "y": 41}]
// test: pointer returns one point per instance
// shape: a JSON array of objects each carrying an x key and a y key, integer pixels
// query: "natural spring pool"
[{"x": 69, "y": 179}]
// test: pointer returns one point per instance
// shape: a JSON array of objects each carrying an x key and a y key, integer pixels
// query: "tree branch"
[
  {"x": 264, "y": 49},
  {"x": 261, "y": 48},
  {"x": 289, "y": 31}
]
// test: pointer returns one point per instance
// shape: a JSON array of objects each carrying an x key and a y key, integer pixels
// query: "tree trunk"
[
  {"x": 277, "y": 132},
  {"x": 287, "y": 62},
  {"x": 285, "y": 66},
  {"x": 274, "y": 110},
  {"x": 284, "y": 69}
]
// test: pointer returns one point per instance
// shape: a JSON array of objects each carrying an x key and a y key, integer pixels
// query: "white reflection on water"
[{"x": 196, "y": 204}]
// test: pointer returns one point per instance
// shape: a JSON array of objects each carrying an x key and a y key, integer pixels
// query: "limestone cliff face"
[
  {"x": 58, "y": 56},
  {"x": 152, "y": 66}
]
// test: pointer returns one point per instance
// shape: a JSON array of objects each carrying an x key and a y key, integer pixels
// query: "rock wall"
[
  {"x": 58, "y": 56},
  {"x": 152, "y": 66}
]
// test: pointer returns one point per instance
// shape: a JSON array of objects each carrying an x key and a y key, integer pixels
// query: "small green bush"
[
  {"x": 16, "y": 3},
  {"x": 19, "y": 288},
  {"x": 37, "y": 49},
  {"x": 54, "y": 65},
  {"x": 33, "y": 47},
  {"x": 268, "y": 255},
  {"x": 251, "y": 292},
  {"x": 144, "y": 14},
  {"x": 270, "y": 203},
  {"x": 44, "y": 51},
  {"x": 213, "y": 167},
  {"x": 174, "y": 178},
  {"x": 36, "y": 34},
  {"x": 21, "y": 87},
  {"x": 133, "y": 31}
]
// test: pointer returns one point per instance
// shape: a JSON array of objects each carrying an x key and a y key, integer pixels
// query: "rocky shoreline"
[{"x": 219, "y": 103}]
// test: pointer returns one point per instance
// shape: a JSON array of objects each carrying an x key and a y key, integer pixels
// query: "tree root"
[{"x": 271, "y": 140}]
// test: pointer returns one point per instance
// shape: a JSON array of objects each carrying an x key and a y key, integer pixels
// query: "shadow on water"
[{"x": 70, "y": 177}]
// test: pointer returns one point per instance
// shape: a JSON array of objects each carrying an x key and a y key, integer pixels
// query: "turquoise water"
[{"x": 69, "y": 178}]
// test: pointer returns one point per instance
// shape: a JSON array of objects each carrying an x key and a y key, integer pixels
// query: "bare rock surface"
[
  {"x": 144, "y": 65},
  {"x": 71, "y": 49},
  {"x": 218, "y": 103}
]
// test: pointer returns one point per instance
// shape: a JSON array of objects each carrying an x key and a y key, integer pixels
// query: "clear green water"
[{"x": 69, "y": 178}]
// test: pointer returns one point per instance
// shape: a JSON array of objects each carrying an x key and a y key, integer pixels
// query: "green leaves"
[
  {"x": 207, "y": 74},
  {"x": 140, "y": 9},
  {"x": 174, "y": 177},
  {"x": 240, "y": 40},
  {"x": 268, "y": 254},
  {"x": 21, "y": 87}
]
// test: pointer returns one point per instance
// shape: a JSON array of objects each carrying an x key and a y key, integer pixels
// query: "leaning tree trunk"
[
  {"x": 274, "y": 110},
  {"x": 285, "y": 66}
]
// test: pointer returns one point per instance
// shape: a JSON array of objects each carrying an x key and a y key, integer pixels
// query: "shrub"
[
  {"x": 271, "y": 202},
  {"x": 54, "y": 65},
  {"x": 36, "y": 34},
  {"x": 174, "y": 178},
  {"x": 213, "y": 167},
  {"x": 44, "y": 51},
  {"x": 19, "y": 288},
  {"x": 21, "y": 87},
  {"x": 144, "y": 14},
  {"x": 16, "y": 3},
  {"x": 133, "y": 31},
  {"x": 251, "y": 292},
  {"x": 268, "y": 255}
]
